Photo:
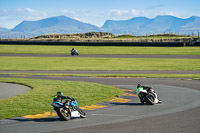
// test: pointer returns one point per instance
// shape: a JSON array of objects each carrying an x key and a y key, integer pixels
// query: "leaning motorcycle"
[
  {"x": 68, "y": 109},
  {"x": 74, "y": 52},
  {"x": 148, "y": 97}
]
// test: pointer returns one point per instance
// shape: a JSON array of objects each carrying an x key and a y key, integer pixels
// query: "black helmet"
[
  {"x": 59, "y": 93},
  {"x": 139, "y": 85}
]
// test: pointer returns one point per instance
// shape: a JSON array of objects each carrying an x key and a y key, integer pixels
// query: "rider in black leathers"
[{"x": 59, "y": 97}]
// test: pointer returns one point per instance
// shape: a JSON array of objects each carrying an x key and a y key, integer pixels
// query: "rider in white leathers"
[
  {"x": 148, "y": 89},
  {"x": 74, "y": 52}
]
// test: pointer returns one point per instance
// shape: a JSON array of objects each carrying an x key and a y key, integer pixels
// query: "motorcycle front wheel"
[
  {"x": 82, "y": 114},
  {"x": 63, "y": 115}
]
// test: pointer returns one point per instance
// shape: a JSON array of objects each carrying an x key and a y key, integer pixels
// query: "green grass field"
[
  {"x": 35, "y": 49},
  {"x": 67, "y": 63},
  {"x": 193, "y": 76},
  {"x": 38, "y": 100}
]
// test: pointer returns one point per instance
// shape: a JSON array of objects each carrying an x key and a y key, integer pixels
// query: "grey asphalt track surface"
[
  {"x": 10, "y": 89},
  {"x": 179, "y": 112}
]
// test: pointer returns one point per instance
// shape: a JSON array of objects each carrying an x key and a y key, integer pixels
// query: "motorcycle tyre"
[
  {"x": 148, "y": 100},
  {"x": 82, "y": 114},
  {"x": 63, "y": 115},
  {"x": 141, "y": 100}
]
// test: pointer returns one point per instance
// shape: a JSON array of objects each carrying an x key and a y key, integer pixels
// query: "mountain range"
[
  {"x": 135, "y": 26},
  {"x": 60, "y": 24},
  {"x": 160, "y": 24}
]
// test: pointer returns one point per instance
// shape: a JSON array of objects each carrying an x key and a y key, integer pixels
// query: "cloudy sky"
[{"x": 96, "y": 12}]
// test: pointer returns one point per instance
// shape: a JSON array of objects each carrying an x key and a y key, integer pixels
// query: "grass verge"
[
  {"x": 193, "y": 76},
  {"x": 67, "y": 63},
  {"x": 37, "y": 49},
  {"x": 38, "y": 100}
]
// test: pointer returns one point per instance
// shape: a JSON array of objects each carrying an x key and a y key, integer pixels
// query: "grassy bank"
[
  {"x": 67, "y": 63},
  {"x": 193, "y": 76},
  {"x": 38, "y": 100},
  {"x": 34, "y": 49}
]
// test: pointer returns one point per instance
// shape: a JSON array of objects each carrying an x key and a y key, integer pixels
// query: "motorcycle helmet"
[
  {"x": 139, "y": 85},
  {"x": 59, "y": 93}
]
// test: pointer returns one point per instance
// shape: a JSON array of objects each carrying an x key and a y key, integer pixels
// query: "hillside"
[
  {"x": 60, "y": 24},
  {"x": 160, "y": 24},
  {"x": 89, "y": 35},
  {"x": 139, "y": 26}
]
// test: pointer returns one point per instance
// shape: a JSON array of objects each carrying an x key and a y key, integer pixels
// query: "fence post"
[{"x": 184, "y": 44}]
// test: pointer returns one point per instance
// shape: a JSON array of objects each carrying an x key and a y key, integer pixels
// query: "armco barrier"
[{"x": 156, "y": 44}]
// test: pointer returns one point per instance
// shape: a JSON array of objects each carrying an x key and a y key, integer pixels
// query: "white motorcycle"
[
  {"x": 149, "y": 97},
  {"x": 74, "y": 52}
]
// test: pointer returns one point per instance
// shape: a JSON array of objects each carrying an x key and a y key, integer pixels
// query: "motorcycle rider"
[
  {"x": 59, "y": 97},
  {"x": 148, "y": 89},
  {"x": 74, "y": 51}
]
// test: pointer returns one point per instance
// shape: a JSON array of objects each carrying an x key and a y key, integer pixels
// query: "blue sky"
[{"x": 96, "y": 12}]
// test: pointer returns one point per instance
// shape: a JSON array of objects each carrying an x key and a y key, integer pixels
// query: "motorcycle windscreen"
[{"x": 74, "y": 103}]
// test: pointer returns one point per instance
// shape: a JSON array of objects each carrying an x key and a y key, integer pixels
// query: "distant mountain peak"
[
  {"x": 166, "y": 16},
  {"x": 57, "y": 24},
  {"x": 136, "y": 26},
  {"x": 159, "y": 24}
]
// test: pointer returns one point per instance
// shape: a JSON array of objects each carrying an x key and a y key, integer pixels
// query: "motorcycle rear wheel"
[
  {"x": 63, "y": 116},
  {"x": 149, "y": 99}
]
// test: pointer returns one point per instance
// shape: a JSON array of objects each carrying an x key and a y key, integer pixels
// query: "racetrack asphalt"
[
  {"x": 10, "y": 89},
  {"x": 179, "y": 112}
]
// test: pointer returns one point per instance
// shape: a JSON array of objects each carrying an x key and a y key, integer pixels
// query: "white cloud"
[
  {"x": 11, "y": 18},
  {"x": 170, "y": 13},
  {"x": 152, "y": 13},
  {"x": 68, "y": 13},
  {"x": 30, "y": 10},
  {"x": 138, "y": 13},
  {"x": 64, "y": 11},
  {"x": 118, "y": 12},
  {"x": 27, "y": 12}
]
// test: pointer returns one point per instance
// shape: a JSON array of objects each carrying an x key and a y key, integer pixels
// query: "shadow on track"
[
  {"x": 128, "y": 104},
  {"x": 48, "y": 119}
]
